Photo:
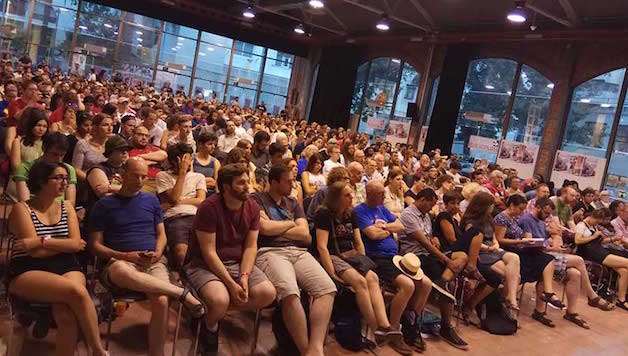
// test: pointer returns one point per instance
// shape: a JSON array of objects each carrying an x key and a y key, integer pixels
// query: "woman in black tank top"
[{"x": 44, "y": 267}]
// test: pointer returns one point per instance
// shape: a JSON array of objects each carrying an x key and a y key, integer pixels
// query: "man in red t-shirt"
[
  {"x": 154, "y": 155},
  {"x": 30, "y": 97},
  {"x": 222, "y": 256}
]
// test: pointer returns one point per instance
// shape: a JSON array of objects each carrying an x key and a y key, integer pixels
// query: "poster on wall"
[
  {"x": 518, "y": 155},
  {"x": 422, "y": 138},
  {"x": 588, "y": 171},
  {"x": 398, "y": 132},
  {"x": 481, "y": 147},
  {"x": 375, "y": 123}
]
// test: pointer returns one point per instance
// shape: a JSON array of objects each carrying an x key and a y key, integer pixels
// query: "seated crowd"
[{"x": 254, "y": 208}]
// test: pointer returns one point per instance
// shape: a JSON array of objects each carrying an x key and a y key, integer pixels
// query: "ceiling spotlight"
[
  {"x": 248, "y": 12},
  {"x": 517, "y": 15},
  {"x": 585, "y": 100},
  {"x": 394, "y": 60},
  {"x": 107, "y": 25},
  {"x": 83, "y": 27},
  {"x": 317, "y": 4},
  {"x": 139, "y": 32},
  {"x": 299, "y": 29},
  {"x": 489, "y": 87},
  {"x": 140, "y": 39},
  {"x": 383, "y": 24},
  {"x": 606, "y": 105},
  {"x": 550, "y": 85}
]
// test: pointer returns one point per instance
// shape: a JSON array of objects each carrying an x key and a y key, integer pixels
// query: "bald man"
[
  {"x": 377, "y": 228},
  {"x": 356, "y": 172},
  {"x": 127, "y": 229}
]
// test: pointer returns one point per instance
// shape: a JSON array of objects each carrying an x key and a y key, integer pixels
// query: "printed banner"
[
  {"x": 588, "y": 171},
  {"x": 398, "y": 132},
  {"x": 483, "y": 143},
  {"x": 375, "y": 123},
  {"x": 518, "y": 155}
]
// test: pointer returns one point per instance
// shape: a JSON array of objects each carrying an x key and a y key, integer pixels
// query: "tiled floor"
[{"x": 607, "y": 336}]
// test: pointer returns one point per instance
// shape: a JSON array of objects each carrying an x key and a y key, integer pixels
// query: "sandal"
[
  {"x": 197, "y": 310},
  {"x": 600, "y": 303},
  {"x": 623, "y": 305},
  {"x": 576, "y": 319},
  {"x": 540, "y": 317},
  {"x": 549, "y": 298}
]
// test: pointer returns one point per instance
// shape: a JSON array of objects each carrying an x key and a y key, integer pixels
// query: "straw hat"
[{"x": 410, "y": 265}]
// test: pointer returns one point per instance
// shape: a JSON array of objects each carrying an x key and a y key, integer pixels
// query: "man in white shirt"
[
  {"x": 454, "y": 171},
  {"x": 333, "y": 161},
  {"x": 381, "y": 164},
  {"x": 229, "y": 140},
  {"x": 149, "y": 119}
]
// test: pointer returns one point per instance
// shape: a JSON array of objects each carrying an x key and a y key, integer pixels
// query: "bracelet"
[{"x": 244, "y": 274}]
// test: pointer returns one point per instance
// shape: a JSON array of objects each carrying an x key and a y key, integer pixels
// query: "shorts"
[
  {"x": 289, "y": 268},
  {"x": 340, "y": 265},
  {"x": 158, "y": 270},
  {"x": 386, "y": 269},
  {"x": 432, "y": 267},
  {"x": 199, "y": 275},
  {"x": 179, "y": 229},
  {"x": 60, "y": 264}
]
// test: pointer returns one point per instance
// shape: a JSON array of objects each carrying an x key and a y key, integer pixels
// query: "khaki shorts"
[
  {"x": 199, "y": 275},
  {"x": 158, "y": 270},
  {"x": 289, "y": 268}
]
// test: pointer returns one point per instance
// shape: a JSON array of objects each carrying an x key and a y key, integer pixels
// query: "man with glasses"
[{"x": 152, "y": 154}]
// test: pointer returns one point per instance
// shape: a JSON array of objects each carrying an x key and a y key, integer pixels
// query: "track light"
[
  {"x": 517, "y": 15},
  {"x": 299, "y": 29},
  {"x": 383, "y": 24},
  {"x": 317, "y": 4},
  {"x": 248, "y": 13}
]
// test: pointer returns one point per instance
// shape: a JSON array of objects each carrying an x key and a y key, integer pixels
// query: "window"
[
  {"x": 51, "y": 32},
  {"x": 529, "y": 111},
  {"x": 178, "y": 47},
  {"x": 212, "y": 65},
  {"x": 617, "y": 175},
  {"x": 591, "y": 114},
  {"x": 358, "y": 91},
  {"x": 485, "y": 98},
  {"x": 277, "y": 72},
  {"x": 97, "y": 35},
  {"x": 14, "y": 19},
  {"x": 408, "y": 90}
]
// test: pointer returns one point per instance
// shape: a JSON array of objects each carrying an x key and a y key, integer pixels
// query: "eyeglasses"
[{"x": 59, "y": 177}]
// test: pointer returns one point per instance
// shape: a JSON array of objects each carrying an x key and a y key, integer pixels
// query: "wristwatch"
[{"x": 44, "y": 239}]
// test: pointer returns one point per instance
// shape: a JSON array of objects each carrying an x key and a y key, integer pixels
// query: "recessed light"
[
  {"x": 586, "y": 101},
  {"x": 396, "y": 60},
  {"x": 201, "y": 54},
  {"x": 140, "y": 39},
  {"x": 489, "y": 87},
  {"x": 509, "y": 92},
  {"x": 174, "y": 48},
  {"x": 83, "y": 27},
  {"x": 550, "y": 85},
  {"x": 115, "y": 33},
  {"x": 107, "y": 25},
  {"x": 606, "y": 105},
  {"x": 139, "y": 32},
  {"x": 210, "y": 49}
]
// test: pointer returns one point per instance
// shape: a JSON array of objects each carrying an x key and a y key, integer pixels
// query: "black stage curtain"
[
  {"x": 445, "y": 114},
  {"x": 334, "y": 86}
]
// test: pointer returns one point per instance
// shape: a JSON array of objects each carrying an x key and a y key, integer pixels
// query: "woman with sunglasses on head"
[
  {"x": 67, "y": 125},
  {"x": 44, "y": 267}
]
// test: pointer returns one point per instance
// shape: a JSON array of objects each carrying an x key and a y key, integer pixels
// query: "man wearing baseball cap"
[{"x": 104, "y": 178}]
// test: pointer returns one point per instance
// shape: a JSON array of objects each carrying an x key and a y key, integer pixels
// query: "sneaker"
[
  {"x": 449, "y": 334},
  {"x": 208, "y": 342},
  {"x": 400, "y": 346}
]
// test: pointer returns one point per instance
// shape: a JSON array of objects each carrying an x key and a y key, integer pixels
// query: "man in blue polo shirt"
[
  {"x": 127, "y": 229},
  {"x": 377, "y": 226}
]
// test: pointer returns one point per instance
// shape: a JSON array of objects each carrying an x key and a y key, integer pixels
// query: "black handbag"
[{"x": 361, "y": 263}]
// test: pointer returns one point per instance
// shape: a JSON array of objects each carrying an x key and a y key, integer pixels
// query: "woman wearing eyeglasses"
[{"x": 44, "y": 267}]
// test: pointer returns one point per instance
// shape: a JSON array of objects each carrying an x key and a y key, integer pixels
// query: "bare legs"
[
  {"x": 572, "y": 289},
  {"x": 368, "y": 297},
  {"x": 619, "y": 264},
  {"x": 508, "y": 267},
  {"x": 158, "y": 325},
  {"x": 66, "y": 293},
  {"x": 405, "y": 289}
]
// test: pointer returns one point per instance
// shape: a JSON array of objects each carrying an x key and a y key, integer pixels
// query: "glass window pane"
[
  {"x": 248, "y": 48},
  {"x": 143, "y": 21},
  {"x": 379, "y": 94},
  {"x": 181, "y": 31},
  {"x": 93, "y": 9},
  {"x": 617, "y": 176},
  {"x": 484, "y": 102},
  {"x": 213, "y": 63},
  {"x": 246, "y": 97},
  {"x": 274, "y": 103},
  {"x": 54, "y": 57},
  {"x": 177, "y": 54},
  {"x": 13, "y": 21},
  {"x": 136, "y": 73},
  {"x": 70, "y": 4},
  {"x": 52, "y": 26},
  {"x": 358, "y": 90},
  {"x": 138, "y": 45},
  {"x": 277, "y": 72},
  {"x": 530, "y": 107},
  {"x": 216, "y": 40},
  {"x": 176, "y": 81},
  {"x": 430, "y": 109},
  {"x": 97, "y": 36},
  {"x": 408, "y": 90},
  {"x": 591, "y": 114},
  {"x": 245, "y": 70},
  {"x": 208, "y": 88}
]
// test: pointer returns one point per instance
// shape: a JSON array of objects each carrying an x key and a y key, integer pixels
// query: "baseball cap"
[{"x": 115, "y": 143}]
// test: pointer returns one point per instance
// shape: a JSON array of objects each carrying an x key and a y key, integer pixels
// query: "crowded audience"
[{"x": 252, "y": 208}]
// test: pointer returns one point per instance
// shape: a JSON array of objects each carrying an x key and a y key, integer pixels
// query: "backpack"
[
  {"x": 347, "y": 320},
  {"x": 495, "y": 317}
]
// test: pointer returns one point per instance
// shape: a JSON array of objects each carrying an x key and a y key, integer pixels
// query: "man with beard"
[
  {"x": 229, "y": 140},
  {"x": 222, "y": 256},
  {"x": 152, "y": 154}
]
